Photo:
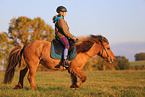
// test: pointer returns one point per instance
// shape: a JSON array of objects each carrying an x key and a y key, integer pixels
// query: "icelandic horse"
[{"x": 38, "y": 52}]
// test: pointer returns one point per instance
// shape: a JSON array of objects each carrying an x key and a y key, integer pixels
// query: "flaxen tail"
[{"x": 14, "y": 58}]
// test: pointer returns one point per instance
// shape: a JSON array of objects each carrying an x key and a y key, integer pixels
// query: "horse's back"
[{"x": 35, "y": 49}]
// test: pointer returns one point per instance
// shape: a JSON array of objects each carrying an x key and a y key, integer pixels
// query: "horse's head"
[
  {"x": 106, "y": 52},
  {"x": 85, "y": 44}
]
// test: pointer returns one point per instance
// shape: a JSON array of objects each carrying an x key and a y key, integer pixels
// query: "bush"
[
  {"x": 0, "y": 70},
  {"x": 122, "y": 63},
  {"x": 97, "y": 63},
  {"x": 139, "y": 56}
]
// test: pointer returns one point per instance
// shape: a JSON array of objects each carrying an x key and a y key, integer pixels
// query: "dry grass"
[{"x": 98, "y": 84}]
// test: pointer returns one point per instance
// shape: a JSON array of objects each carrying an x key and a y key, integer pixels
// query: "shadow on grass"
[
  {"x": 50, "y": 88},
  {"x": 43, "y": 89}
]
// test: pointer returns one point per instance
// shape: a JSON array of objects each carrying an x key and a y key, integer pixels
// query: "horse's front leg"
[
  {"x": 78, "y": 73},
  {"x": 74, "y": 81}
]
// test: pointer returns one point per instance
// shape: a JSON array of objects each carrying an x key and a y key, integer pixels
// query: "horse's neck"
[
  {"x": 84, "y": 57},
  {"x": 94, "y": 50}
]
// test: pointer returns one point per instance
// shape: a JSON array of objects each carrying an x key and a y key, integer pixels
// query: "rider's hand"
[{"x": 74, "y": 38}]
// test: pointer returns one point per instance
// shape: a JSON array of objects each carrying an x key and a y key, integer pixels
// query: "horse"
[{"x": 38, "y": 52}]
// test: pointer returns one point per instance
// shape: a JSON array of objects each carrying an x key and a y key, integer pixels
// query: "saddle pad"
[{"x": 57, "y": 51}]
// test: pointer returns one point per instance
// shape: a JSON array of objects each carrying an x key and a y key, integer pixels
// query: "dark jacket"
[{"x": 62, "y": 29}]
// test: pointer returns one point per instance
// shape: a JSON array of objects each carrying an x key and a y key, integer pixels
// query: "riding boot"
[
  {"x": 65, "y": 63},
  {"x": 64, "y": 60}
]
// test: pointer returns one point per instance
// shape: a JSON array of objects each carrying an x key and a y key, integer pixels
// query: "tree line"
[
  {"x": 139, "y": 56},
  {"x": 97, "y": 63},
  {"x": 22, "y": 30}
]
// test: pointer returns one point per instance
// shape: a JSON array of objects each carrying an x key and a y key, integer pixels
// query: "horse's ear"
[
  {"x": 102, "y": 39},
  {"x": 96, "y": 38},
  {"x": 93, "y": 36}
]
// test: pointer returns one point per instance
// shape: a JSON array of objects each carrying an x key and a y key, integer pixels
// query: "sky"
[{"x": 120, "y": 21}]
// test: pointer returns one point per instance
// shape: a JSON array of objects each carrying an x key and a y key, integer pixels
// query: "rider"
[{"x": 62, "y": 32}]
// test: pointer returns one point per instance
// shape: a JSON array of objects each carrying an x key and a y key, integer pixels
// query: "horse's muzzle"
[{"x": 111, "y": 60}]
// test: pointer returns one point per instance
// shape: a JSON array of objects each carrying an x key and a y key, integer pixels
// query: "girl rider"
[{"x": 62, "y": 32}]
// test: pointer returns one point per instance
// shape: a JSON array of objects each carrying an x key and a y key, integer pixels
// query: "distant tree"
[
  {"x": 41, "y": 31},
  {"x": 139, "y": 56},
  {"x": 0, "y": 70},
  {"x": 122, "y": 63},
  {"x": 5, "y": 47},
  {"x": 19, "y": 30},
  {"x": 23, "y": 29},
  {"x": 97, "y": 63}
]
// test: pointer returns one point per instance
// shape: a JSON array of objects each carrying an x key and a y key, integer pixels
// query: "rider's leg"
[
  {"x": 65, "y": 42},
  {"x": 65, "y": 53}
]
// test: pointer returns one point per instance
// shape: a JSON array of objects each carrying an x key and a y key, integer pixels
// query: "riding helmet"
[{"x": 61, "y": 8}]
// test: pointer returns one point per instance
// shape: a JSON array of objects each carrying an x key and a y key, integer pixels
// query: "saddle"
[{"x": 57, "y": 50}]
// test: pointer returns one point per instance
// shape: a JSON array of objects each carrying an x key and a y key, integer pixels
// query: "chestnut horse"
[{"x": 38, "y": 52}]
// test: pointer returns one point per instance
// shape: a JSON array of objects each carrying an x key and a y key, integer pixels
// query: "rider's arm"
[{"x": 64, "y": 27}]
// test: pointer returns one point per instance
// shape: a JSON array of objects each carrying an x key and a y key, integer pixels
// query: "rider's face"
[{"x": 63, "y": 14}]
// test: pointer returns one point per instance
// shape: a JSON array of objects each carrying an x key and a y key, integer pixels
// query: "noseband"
[{"x": 105, "y": 51}]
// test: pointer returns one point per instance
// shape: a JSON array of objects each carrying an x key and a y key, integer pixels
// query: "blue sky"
[{"x": 120, "y": 21}]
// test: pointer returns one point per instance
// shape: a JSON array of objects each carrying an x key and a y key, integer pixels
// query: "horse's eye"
[{"x": 108, "y": 48}]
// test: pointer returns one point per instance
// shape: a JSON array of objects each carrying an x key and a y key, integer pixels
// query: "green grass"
[
  {"x": 137, "y": 63},
  {"x": 98, "y": 84}
]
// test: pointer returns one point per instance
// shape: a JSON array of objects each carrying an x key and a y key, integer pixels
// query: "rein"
[
  {"x": 101, "y": 53},
  {"x": 105, "y": 50},
  {"x": 89, "y": 55}
]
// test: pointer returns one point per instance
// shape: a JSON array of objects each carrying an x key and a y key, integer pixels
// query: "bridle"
[
  {"x": 105, "y": 51},
  {"x": 101, "y": 54}
]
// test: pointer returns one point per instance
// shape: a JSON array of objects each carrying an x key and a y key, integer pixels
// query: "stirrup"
[{"x": 65, "y": 64}]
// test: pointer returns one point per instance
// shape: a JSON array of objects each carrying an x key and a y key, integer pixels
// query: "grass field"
[
  {"x": 98, "y": 84},
  {"x": 137, "y": 63}
]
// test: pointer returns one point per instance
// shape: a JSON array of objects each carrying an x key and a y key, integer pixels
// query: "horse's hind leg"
[
  {"x": 32, "y": 70},
  {"x": 21, "y": 78}
]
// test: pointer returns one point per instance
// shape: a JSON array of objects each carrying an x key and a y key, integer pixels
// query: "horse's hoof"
[
  {"x": 34, "y": 88},
  {"x": 78, "y": 85},
  {"x": 74, "y": 86},
  {"x": 18, "y": 87}
]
